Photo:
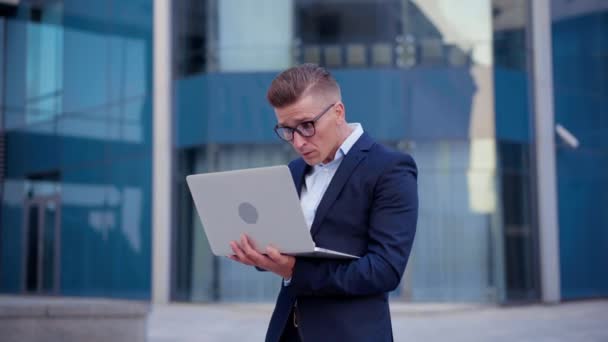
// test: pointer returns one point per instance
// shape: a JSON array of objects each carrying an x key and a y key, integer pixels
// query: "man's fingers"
[
  {"x": 248, "y": 245},
  {"x": 246, "y": 253},
  {"x": 249, "y": 250},
  {"x": 240, "y": 255},
  {"x": 276, "y": 256},
  {"x": 252, "y": 254},
  {"x": 284, "y": 263},
  {"x": 250, "y": 242}
]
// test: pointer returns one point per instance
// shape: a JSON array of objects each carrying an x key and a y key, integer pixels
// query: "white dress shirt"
[{"x": 317, "y": 181}]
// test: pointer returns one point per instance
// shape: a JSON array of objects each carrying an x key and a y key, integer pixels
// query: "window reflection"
[
  {"x": 77, "y": 101},
  {"x": 424, "y": 71},
  {"x": 44, "y": 65},
  {"x": 401, "y": 34}
]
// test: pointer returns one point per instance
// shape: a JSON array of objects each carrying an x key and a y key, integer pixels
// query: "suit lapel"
[
  {"x": 351, "y": 160},
  {"x": 298, "y": 170}
]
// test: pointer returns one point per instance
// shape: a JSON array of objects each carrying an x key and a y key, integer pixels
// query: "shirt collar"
[
  {"x": 357, "y": 132},
  {"x": 352, "y": 138}
]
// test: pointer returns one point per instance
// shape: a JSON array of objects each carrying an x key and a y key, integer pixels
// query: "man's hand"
[{"x": 275, "y": 262}]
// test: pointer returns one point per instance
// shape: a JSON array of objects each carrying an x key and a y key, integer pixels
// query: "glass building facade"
[
  {"x": 580, "y": 71},
  {"x": 419, "y": 76},
  {"x": 450, "y": 82},
  {"x": 77, "y": 114}
]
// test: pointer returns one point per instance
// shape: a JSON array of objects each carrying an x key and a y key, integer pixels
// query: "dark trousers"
[{"x": 291, "y": 332}]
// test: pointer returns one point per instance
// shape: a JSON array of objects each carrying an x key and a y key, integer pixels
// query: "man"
[{"x": 358, "y": 197}]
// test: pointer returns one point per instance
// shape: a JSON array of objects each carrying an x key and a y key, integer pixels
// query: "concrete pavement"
[{"x": 574, "y": 321}]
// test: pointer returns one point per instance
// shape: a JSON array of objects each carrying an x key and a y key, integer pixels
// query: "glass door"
[{"x": 41, "y": 239}]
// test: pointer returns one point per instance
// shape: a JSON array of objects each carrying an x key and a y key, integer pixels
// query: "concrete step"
[{"x": 67, "y": 319}]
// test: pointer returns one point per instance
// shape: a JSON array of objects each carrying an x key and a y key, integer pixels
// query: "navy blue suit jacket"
[{"x": 370, "y": 209}]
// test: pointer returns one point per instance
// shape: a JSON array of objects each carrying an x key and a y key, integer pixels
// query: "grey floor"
[{"x": 573, "y": 321}]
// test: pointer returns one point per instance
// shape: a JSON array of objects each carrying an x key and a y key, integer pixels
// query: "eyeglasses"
[{"x": 305, "y": 128}]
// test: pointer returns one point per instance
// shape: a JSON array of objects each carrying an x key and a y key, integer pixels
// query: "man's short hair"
[{"x": 290, "y": 85}]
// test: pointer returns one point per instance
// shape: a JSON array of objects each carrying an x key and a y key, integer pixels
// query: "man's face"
[{"x": 322, "y": 146}]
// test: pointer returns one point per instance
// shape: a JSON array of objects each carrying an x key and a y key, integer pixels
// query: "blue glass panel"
[
  {"x": 582, "y": 184},
  {"x": 29, "y": 153},
  {"x": 86, "y": 84},
  {"x": 105, "y": 121},
  {"x": 85, "y": 229},
  {"x": 191, "y": 111},
  {"x": 581, "y": 95},
  {"x": 391, "y": 104},
  {"x": 130, "y": 265},
  {"x": 11, "y": 245},
  {"x": 14, "y": 96},
  {"x": 129, "y": 129},
  {"x": 419, "y": 103},
  {"x": 511, "y": 103},
  {"x": 106, "y": 230},
  {"x": 82, "y": 137},
  {"x": 582, "y": 115}
]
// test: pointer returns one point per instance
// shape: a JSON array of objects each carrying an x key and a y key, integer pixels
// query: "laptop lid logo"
[{"x": 248, "y": 213}]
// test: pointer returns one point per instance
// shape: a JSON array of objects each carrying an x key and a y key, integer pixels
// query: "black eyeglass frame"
[{"x": 312, "y": 122}]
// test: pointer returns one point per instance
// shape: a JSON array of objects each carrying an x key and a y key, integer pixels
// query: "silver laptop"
[{"x": 262, "y": 203}]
